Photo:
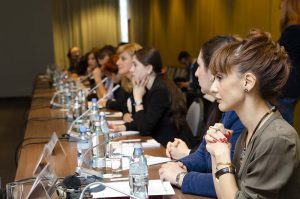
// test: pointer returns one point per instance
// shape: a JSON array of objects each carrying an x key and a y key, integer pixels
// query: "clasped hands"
[
  {"x": 169, "y": 171},
  {"x": 217, "y": 140},
  {"x": 177, "y": 149}
]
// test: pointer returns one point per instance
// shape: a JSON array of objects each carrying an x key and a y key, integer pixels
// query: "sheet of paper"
[
  {"x": 151, "y": 143},
  {"x": 151, "y": 160},
  {"x": 155, "y": 188},
  {"x": 116, "y": 122},
  {"x": 127, "y": 148}
]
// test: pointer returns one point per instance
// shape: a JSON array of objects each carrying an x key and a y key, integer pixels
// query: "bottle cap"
[
  {"x": 82, "y": 129},
  {"x": 137, "y": 145},
  {"x": 97, "y": 123}
]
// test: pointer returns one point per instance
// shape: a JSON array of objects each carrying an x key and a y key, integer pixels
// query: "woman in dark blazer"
[{"x": 160, "y": 108}]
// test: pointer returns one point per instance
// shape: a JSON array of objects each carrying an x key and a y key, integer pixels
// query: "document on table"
[
  {"x": 127, "y": 146},
  {"x": 151, "y": 160},
  {"x": 113, "y": 114},
  {"x": 155, "y": 188},
  {"x": 116, "y": 122}
]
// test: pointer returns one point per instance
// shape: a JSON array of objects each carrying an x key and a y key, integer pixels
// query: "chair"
[{"x": 195, "y": 116}]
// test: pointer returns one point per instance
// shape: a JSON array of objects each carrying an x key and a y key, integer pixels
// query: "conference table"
[{"x": 44, "y": 120}]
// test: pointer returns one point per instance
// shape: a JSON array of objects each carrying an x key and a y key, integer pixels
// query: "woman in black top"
[
  {"x": 121, "y": 69},
  {"x": 159, "y": 105},
  {"x": 290, "y": 39}
]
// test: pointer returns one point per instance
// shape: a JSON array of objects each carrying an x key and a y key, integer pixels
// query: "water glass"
[{"x": 115, "y": 155}]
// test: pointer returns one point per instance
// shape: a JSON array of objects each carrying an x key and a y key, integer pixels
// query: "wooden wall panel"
[{"x": 174, "y": 25}]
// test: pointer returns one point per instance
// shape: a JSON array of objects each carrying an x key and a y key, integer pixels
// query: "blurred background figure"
[
  {"x": 103, "y": 56},
  {"x": 76, "y": 62},
  {"x": 290, "y": 39},
  {"x": 188, "y": 84}
]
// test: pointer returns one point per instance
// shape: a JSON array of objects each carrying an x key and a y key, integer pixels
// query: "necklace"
[{"x": 243, "y": 154}]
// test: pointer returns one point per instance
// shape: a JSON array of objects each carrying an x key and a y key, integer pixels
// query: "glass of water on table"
[{"x": 115, "y": 156}]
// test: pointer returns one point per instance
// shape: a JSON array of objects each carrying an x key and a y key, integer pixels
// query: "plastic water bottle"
[
  {"x": 76, "y": 108},
  {"x": 94, "y": 116},
  {"x": 99, "y": 149},
  {"x": 83, "y": 146},
  {"x": 73, "y": 86},
  {"x": 138, "y": 173},
  {"x": 104, "y": 126},
  {"x": 82, "y": 100},
  {"x": 68, "y": 96}
]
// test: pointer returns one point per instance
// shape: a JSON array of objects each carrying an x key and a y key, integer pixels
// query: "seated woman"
[
  {"x": 193, "y": 173},
  {"x": 249, "y": 75},
  {"x": 124, "y": 63},
  {"x": 91, "y": 60},
  {"x": 103, "y": 56},
  {"x": 90, "y": 63},
  {"x": 159, "y": 105}
]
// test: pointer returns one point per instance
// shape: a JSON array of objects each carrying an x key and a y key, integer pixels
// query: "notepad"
[{"x": 155, "y": 188}]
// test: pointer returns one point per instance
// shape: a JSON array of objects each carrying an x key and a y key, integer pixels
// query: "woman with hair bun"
[{"x": 249, "y": 76}]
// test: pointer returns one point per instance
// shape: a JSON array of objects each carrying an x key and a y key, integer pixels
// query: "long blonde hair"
[
  {"x": 131, "y": 48},
  {"x": 290, "y": 13}
]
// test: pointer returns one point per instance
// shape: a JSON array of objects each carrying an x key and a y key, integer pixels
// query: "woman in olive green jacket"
[{"x": 248, "y": 77}]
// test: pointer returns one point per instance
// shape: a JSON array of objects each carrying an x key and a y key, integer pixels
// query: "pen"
[
  {"x": 163, "y": 185},
  {"x": 119, "y": 179},
  {"x": 131, "y": 140}
]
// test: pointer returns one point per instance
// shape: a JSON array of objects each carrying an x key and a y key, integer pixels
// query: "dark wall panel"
[{"x": 26, "y": 44}]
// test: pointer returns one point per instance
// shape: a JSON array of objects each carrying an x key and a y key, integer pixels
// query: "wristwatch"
[
  {"x": 229, "y": 169},
  {"x": 178, "y": 176},
  {"x": 140, "y": 102}
]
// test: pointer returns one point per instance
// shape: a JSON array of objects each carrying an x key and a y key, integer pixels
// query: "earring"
[{"x": 246, "y": 90}]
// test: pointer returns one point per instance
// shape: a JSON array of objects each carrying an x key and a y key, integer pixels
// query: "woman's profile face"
[
  {"x": 228, "y": 90},
  {"x": 138, "y": 70},
  {"x": 203, "y": 75},
  {"x": 103, "y": 61},
  {"x": 92, "y": 60},
  {"x": 124, "y": 63}
]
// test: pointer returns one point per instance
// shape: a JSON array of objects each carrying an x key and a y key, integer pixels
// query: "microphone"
[
  {"x": 95, "y": 87},
  {"x": 79, "y": 169},
  {"x": 81, "y": 79},
  {"x": 75, "y": 182},
  {"x": 52, "y": 103},
  {"x": 76, "y": 135},
  {"x": 105, "y": 185}
]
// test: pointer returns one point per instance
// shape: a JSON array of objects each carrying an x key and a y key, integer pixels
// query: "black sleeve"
[
  {"x": 120, "y": 101},
  {"x": 146, "y": 120}
]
